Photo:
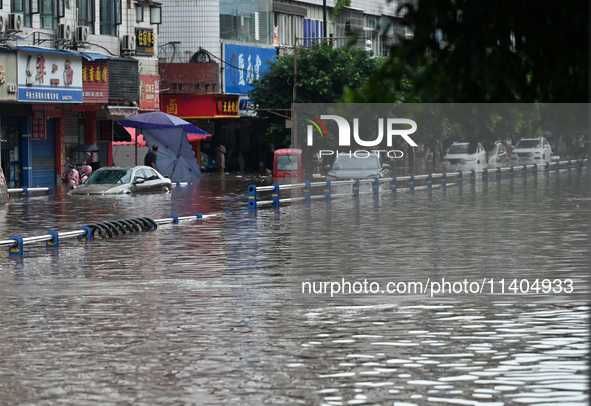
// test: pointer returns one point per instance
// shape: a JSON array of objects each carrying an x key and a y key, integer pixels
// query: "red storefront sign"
[
  {"x": 95, "y": 82},
  {"x": 150, "y": 92},
  {"x": 38, "y": 125},
  {"x": 201, "y": 106}
]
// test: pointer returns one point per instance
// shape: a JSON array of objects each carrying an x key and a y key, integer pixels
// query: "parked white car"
[
  {"x": 497, "y": 156},
  {"x": 459, "y": 157},
  {"x": 532, "y": 150}
]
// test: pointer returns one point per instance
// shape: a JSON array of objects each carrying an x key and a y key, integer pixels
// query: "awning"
[
  {"x": 93, "y": 56},
  {"x": 46, "y": 50},
  {"x": 119, "y": 112}
]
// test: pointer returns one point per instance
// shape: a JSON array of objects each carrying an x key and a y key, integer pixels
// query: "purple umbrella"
[
  {"x": 175, "y": 157},
  {"x": 159, "y": 120}
]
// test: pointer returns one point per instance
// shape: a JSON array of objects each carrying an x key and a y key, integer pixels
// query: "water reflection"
[{"x": 210, "y": 311}]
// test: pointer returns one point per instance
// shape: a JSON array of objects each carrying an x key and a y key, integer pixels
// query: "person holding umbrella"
[{"x": 150, "y": 158}]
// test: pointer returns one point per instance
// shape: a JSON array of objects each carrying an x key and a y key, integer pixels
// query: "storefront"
[
  {"x": 217, "y": 114},
  {"x": 35, "y": 83}
]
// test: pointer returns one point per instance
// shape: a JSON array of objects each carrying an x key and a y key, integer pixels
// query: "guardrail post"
[
  {"x": 524, "y": 170},
  {"x": 411, "y": 183},
  {"x": 393, "y": 184},
  {"x": 87, "y": 236},
  {"x": 511, "y": 174},
  {"x": 430, "y": 179},
  {"x": 376, "y": 186},
  {"x": 175, "y": 219},
  {"x": 16, "y": 250},
  {"x": 485, "y": 175},
  {"x": 55, "y": 240},
  {"x": 307, "y": 192},
  {"x": 570, "y": 165},
  {"x": 460, "y": 178},
  {"x": 557, "y": 166},
  {"x": 472, "y": 176},
  {"x": 535, "y": 170},
  {"x": 356, "y": 187},
  {"x": 444, "y": 179},
  {"x": 49, "y": 191},
  {"x": 275, "y": 195},
  {"x": 327, "y": 190},
  {"x": 25, "y": 192},
  {"x": 498, "y": 174},
  {"x": 252, "y": 197}
]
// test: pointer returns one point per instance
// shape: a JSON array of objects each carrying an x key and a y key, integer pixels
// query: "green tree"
[
  {"x": 487, "y": 52},
  {"x": 322, "y": 74}
]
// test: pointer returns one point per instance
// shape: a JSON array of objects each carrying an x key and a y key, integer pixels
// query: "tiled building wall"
[{"x": 193, "y": 23}]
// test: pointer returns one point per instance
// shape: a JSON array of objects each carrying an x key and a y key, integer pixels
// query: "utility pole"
[{"x": 294, "y": 128}]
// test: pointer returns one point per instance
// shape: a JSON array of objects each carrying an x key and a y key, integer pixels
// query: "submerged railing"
[
  {"x": 104, "y": 229},
  {"x": 394, "y": 183},
  {"x": 26, "y": 191}
]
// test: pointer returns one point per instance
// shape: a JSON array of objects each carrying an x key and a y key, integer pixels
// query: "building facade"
[
  {"x": 237, "y": 40},
  {"x": 68, "y": 70}
]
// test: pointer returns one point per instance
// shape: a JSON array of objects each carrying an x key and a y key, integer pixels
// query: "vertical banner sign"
[
  {"x": 38, "y": 130},
  {"x": 150, "y": 92},
  {"x": 245, "y": 64}
]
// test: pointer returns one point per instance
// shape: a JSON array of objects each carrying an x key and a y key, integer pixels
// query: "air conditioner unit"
[
  {"x": 64, "y": 32},
  {"x": 82, "y": 34},
  {"x": 15, "y": 22},
  {"x": 128, "y": 43},
  {"x": 2, "y": 25}
]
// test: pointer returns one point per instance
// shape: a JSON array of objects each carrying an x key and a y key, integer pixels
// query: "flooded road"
[{"x": 217, "y": 311}]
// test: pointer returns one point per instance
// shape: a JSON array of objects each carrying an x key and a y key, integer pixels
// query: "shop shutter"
[{"x": 43, "y": 158}]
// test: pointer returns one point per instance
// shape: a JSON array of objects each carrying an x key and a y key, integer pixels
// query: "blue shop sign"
[
  {"x": 244, "y": 64},
  {"x": 47, "y": 76}
]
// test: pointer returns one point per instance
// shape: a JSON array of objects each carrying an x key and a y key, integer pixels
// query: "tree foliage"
[
  {"x": 488, "y": 52},
  {"x": 322, "y": 74}
]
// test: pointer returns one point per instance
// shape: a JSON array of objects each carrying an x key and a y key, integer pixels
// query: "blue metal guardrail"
[
  {"x": 103, "y": 229},
  {"x": 393, "y": 183}
]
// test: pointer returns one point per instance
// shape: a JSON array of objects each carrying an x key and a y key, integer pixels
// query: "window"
[
  {"x": 110, "y": 16},
  {"x": 86, "y": 14},
  {"x": 139, "y": 14},
  {"x": 289, "y": 26},
  {"x": 24, "y": 7},
  {"x": 155, "y": 15},
  {"x": 49, "y": 11}
]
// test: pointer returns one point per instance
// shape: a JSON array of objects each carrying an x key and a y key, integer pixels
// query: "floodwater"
[{"x": 236, "y": 308}]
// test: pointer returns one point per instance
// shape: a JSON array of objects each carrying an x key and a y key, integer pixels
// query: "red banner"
[
  {"x": 38, "y": 125},
  {"x": 201, "y": 106},
  {"x": 149, "y": 92},
  {"x": 95, "y": 82}
]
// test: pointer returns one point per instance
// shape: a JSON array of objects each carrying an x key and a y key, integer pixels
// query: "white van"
[{"x": 458, "y": 157}]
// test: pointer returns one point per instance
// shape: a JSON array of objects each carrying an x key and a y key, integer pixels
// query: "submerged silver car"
[
  {"x": 118, "y": 180},
  {"x": 362, "y": 167}
]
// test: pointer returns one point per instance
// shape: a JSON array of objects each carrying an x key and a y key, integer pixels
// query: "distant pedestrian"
[
  {"x": 150, "y": 158},
  {"x": 220, "y": 158},
  {"x": 581, "y": 144}
]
